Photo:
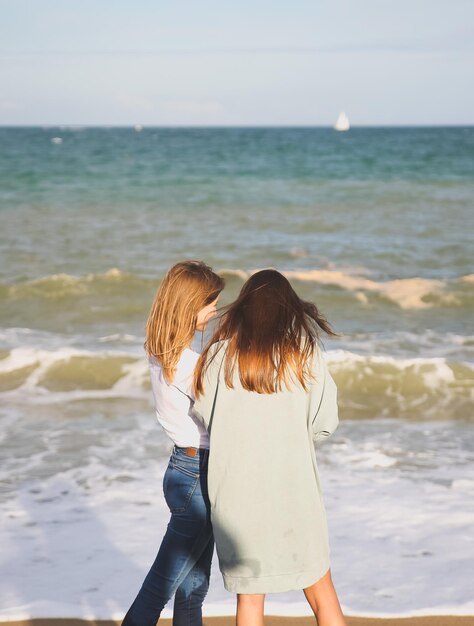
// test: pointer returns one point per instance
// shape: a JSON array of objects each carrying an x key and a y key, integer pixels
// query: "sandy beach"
[{"x": 430, "y": 620}]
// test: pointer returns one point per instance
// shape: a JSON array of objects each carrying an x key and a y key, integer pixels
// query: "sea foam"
[
  {"x": 369, "y": 386},
  {"x": 398, "y": 502}
]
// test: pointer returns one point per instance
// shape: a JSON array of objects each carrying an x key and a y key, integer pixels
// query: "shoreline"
[{"x": 270, "y": 620}]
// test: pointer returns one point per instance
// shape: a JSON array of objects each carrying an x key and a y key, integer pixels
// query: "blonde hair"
[{"x": 187, "y": 288}]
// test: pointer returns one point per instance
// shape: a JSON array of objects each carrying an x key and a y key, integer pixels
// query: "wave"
[
  {"x": 369, "y": 386},
  {"x": 385, "y": 386},
  {"x": 406, "y": 293},
  {"x": 35, "y": 374},
  {"x": 61, "y": 301},
  {"x": 60, "y": 285}
]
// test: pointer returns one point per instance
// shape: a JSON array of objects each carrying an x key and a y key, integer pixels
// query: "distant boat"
[
  {"x": 342, "y": 122},
  {"x": 138, "y": 128}
]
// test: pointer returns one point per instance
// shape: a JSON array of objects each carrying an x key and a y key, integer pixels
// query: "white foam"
[
  {"x": 31, "y": 390},
  {"x": 434, "y": 371},
  {"x": 398, "y": 497},
  {"x": 437, "y": 385},
  {"x": 120, "y": 338},
  {"x": 407, "y": 293}
]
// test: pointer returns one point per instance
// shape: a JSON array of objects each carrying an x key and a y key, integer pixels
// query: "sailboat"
[{"x": 342, "y": 122}]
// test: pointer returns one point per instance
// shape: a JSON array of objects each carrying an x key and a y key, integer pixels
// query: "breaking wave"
[
  {"x": 406, "y": 293},
  {"x": 369, "y": 386}
]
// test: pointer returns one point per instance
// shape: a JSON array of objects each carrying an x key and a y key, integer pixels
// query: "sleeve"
[
  {"x": 203, "y": 407},
  {"x": 184, "y": 373},
  {"x": 323, "y": 410}
]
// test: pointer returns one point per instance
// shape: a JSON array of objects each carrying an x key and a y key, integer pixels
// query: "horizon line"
[{"x": 66, "y": 126}]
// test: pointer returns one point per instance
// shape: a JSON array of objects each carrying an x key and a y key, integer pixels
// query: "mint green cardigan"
[{"x": 266, "y": 503}]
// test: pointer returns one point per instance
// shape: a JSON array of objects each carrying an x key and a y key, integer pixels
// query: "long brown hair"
[
  {"x": 187, "y": 288},
  {"x": 271, "y": 336}
]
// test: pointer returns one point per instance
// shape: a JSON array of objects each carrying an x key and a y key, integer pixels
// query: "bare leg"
[
  {"x": 323, "y": 600},
  {"x": 250, "y": 609}
]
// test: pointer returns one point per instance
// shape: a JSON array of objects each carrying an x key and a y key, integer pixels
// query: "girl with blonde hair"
[
  {"x": 184, "y": 302},
  {"x": 265, "y": 394}
]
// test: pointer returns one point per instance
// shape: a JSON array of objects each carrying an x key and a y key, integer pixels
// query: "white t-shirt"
[{"x": 174, "y": 401}]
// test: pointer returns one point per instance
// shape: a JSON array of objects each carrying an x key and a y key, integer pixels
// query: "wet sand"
[{"x": 431, "y": 620}]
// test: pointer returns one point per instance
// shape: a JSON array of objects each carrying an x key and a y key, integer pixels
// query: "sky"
[{"x": 236, "y": 63}]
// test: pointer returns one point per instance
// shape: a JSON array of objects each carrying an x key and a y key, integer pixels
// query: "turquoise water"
[
  {"x": 383, "y": 204},
  {"x": 374, "y": 225},
  {"x": 397, "y": 201}
]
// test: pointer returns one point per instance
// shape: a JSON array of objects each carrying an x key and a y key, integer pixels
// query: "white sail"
[{"x": 342, "y": 122}]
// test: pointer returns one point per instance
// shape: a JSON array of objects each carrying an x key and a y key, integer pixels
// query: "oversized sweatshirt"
[{"x": 266, "y": 503}]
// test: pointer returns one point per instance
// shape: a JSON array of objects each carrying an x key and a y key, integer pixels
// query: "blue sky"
[{"x": 244, "y": 62}]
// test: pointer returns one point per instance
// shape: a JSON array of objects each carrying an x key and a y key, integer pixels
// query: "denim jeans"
[{"x": 183, "y": 563}]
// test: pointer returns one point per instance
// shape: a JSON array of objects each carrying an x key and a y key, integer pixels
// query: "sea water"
[{"x": 374, "y": 225}]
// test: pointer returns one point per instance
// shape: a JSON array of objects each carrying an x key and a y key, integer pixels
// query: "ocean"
[{"x": 374, "y": 225}]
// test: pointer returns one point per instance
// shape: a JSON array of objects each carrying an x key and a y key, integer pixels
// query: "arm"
[
  {"x": 323, "y": 411},
  {"x": 183, "y": 380},
  {"x": 203, "y": 407}
]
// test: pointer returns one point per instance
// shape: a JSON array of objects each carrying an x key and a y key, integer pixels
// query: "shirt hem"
[{"x": 274, "y": 584}]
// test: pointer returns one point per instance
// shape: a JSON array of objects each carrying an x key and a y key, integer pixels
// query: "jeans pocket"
[{"x": 178, "y": 487}]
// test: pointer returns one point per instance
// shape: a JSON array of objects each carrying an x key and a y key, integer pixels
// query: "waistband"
[{"x": 191, "y": 453}]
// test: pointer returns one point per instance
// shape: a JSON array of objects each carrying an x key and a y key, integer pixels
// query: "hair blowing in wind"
[
  {"x": 271, "y": 335},
  {"x": 187, "y": 287}
]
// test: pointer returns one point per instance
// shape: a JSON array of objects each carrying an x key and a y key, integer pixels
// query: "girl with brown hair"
[
  {"x": 184, "y": 303},
  {"x": 265, "y": 394}
]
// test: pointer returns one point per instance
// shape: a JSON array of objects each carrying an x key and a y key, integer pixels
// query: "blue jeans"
[{"x": 183, "y": 564}]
